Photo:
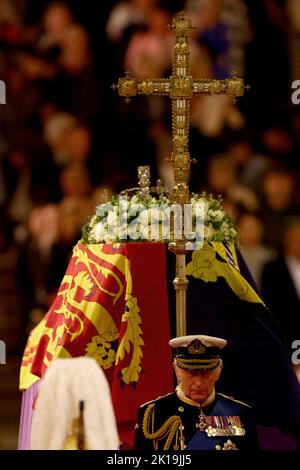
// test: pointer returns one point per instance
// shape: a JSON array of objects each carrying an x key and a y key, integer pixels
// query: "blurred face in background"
[
  {"x": 250, "y": 230},
  {"x": 102, "y": 195},
  {"x": 278, "y": 189},
  {"x": 231, "y": 208},
  {"x": 76, "y": 54},
  {"x": 209, "y": 13},
  {"x": 240, "y": 152},
  {"x": 157, "y": 20},
  {"x": 57, "y": 131},
  {"x": 73, "y": 213},
  {"x": 220, "y": 176},
  {"x": 144, "y": 5},
  {"x": 75, "y": 181},
  {"x": 277, "y": 141},
  {"x": 57, "y": 17},
  {"x": 43, "y": 225},
  {"x": 79, "y": 144},
  {"x": 292, "y": 240}
]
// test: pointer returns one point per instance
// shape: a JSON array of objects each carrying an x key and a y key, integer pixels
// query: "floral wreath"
[{"x": 101, "y": 228}]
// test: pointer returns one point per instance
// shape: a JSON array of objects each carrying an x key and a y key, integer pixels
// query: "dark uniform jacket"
[
  {"x": 280, "y": 294},
  {"x": 169, "y": 423}
]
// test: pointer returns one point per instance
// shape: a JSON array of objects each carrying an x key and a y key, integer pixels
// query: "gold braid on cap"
[
  {"x": 168, "y": 429},
  {"x": 201, "y": 364}
]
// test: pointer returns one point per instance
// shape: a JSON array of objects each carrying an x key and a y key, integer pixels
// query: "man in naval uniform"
[{"x": 195, "y": 417}]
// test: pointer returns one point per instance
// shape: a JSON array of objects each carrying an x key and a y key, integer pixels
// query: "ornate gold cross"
[{"x": 180, "y": 87}]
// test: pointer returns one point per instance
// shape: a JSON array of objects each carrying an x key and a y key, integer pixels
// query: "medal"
[
  {"x": 203, "y": 423},
  {"x": 217, "y": 426}
]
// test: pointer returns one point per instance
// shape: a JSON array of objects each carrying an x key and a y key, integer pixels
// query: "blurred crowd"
[{"x": 67, "y": 141}]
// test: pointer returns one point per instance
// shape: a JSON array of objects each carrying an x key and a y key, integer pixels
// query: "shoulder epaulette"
[
  {"x": 155, "y": 399},
  {"x": 233, "y": 399}
]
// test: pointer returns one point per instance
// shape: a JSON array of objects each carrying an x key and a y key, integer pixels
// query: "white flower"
[
  {"x": 225, "y": 229},
  {"x": 205, "y": 209},
  {"x": 93, "y": 220},
  {"x": 99, "y": 231},
  {"x": 217, "y": 215},
  {"x": 198, "y": 209},
  {"x": 144, "y": 217},
  {"x": 123, "y": 203},
  {"x": 156, "y": 214},
  {"x": 103, "y": 209},
  {"x": 134, "y": 200},
  {"x": 135, "y": 209},
  {"x": 123, "y": 232},
  {"x": 208, "y": 231},
  {"x": 134, "y": 231},
  {"x": 144, "y": 231},
  {"x": 165, "y": 217},
  {"x": 108, "y": 238},
  {"x": 112, "y": 218}
]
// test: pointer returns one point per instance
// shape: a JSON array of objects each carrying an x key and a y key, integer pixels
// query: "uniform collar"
[{"x": 185, "y": 399}]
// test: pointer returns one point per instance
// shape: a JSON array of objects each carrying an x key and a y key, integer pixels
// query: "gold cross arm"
[
  {"x": 179, "y": 87},
  {"x": 130, "y": 86}
]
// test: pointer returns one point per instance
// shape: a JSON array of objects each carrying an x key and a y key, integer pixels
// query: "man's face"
[{"x": 197, "y": 385}]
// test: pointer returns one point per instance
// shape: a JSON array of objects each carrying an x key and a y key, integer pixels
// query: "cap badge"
[{"x": 196, "y": 347}]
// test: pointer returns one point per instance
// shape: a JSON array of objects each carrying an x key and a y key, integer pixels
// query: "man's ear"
[
  {"x": 219, "y": 370},
  {"x": 177, "y": 371}
]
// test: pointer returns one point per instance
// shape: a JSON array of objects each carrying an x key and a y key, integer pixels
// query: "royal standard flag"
[{"x": 112, "y": 305}]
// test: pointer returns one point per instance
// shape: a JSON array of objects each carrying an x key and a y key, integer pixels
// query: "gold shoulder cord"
[{"x": 169, "y": 428}]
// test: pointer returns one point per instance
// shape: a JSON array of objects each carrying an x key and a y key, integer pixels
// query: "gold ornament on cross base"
[{"x": 180, "y": 87}]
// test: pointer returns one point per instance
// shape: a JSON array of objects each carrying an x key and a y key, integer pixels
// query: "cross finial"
[{"x": 144, "y": 180}]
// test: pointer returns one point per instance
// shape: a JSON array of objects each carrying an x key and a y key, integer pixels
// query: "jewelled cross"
[{"x": 180, "y": 87}]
